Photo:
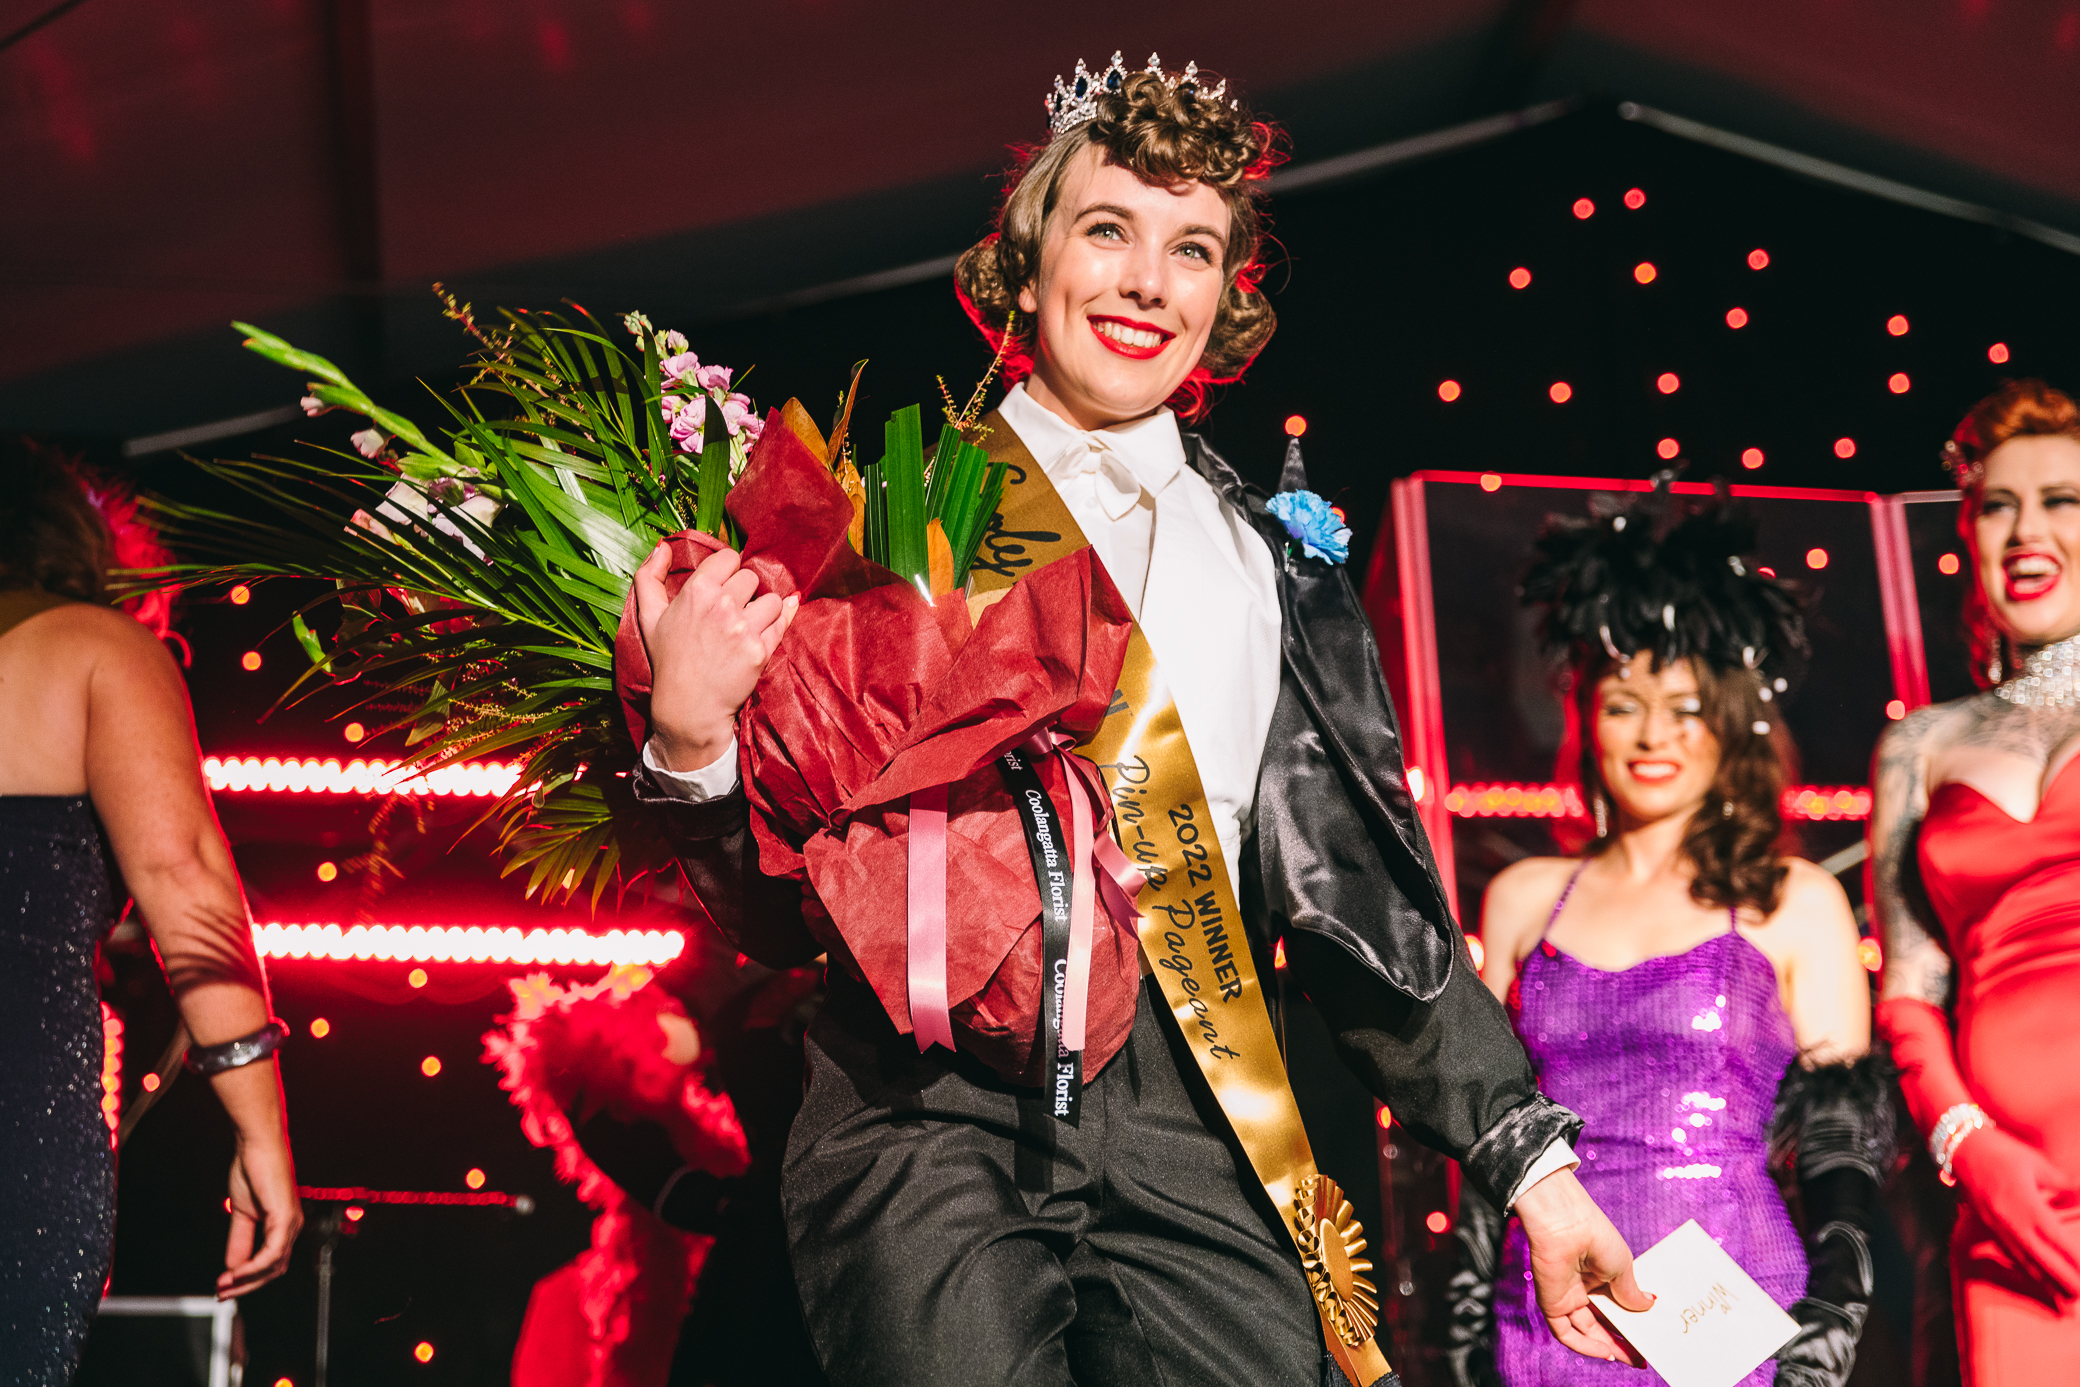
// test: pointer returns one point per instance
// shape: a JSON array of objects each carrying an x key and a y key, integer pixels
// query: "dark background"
[{"x": 784, "y": 183}]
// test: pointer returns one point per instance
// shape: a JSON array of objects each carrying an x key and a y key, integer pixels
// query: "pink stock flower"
[
  {"x": 674, "y": 340},
  {"x": 735, "y": 411},
  {"x": 714, "y": 377},
  {"x": 686, "y": 425},
  {"x": 680, "y": 368}
]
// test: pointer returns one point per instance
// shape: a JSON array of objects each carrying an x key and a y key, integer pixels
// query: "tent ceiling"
[{"x": 169, "y": 168}]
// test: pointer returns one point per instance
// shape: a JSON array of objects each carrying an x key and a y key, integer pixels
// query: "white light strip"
[
  {"x": 332, "y": 777},
  {"x": 466, "y": 944}
]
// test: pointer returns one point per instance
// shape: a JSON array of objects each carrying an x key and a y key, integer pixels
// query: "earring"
[
  {"x": 1725, "y": 808},
  {"x": 1603, "y": 823},
  {"x": 1993, "y": 664}
]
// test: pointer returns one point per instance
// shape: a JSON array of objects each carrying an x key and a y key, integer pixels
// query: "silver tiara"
[{"x": 1076, "y": 101}]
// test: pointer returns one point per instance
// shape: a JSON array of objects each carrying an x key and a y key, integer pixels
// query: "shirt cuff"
[
  {"x": 711, "y": 781},
  {"x": 1559, "y": 1156}
]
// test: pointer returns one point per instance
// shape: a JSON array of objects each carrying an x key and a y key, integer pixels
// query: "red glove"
[
  {"x": 2018, "y": 1193},
  {"x": 2013, "y": 1188}
]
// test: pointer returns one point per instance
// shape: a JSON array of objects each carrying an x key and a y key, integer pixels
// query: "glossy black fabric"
[
  {"x": 1839, "y": 1120},
  {"x": 57, "y": 1171},
  {"x": 946, "y": 1231}
]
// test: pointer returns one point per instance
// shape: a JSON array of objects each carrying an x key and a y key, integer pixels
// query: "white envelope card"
[{"x": 1712, "y": 1325}]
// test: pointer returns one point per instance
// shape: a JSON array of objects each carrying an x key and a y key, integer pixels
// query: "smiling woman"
[
  {"x": 1687, "y": 989},
  {"x": 1154, "y": 210}
]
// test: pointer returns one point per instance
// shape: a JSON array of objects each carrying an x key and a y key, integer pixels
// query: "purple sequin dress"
[{"x": 1674, "y": 1065}]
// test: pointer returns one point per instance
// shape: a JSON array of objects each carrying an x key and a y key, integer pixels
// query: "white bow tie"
[{"x": 1117, "y": 487}]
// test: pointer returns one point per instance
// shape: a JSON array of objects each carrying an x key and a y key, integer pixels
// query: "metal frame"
[{"x": 223, "y": 1335}]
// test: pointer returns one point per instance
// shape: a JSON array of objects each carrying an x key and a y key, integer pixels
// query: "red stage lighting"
[
  {"x": 320, "y": 1028},
  {"x": 1635, "y": 198},
  {"x": 1668, "y": 382},
  {"x": 1736, "y": 317},
  {"x": 1437, "y": 1221},
  {"x": 250, "y": 660},
  {"x": 417, "y": 977},
  {"x": 1845, "y": 447},
  {"x": 1645, "y": 272},
  {"x": 467, "y": 944},
  {"x": 1491, "y": 481},
  {"x": 1895, "y": 709},
  {"x": 1295, "y": 425},
  {"x": 475, "y": 1178},
  {"x": 1519, "y": 278},
  {"x": 1898, "y": 383},
  {"x": 1947, "y": 565},
  {"x": 1897, "y": 325},
  {"x": 1584, "y": 209},
  {"x": 1561, "y": 392},
  {"x": 354, "y": 731},
  {"x": 1668, "y": 448},
  {"x": 430, "y": 1066},
  {"x": 1751, "y": 458},
  {"x": 423, "y": 1352},
  {"x": 1508, "y": 801},
  {"x": 240, "y": 595},
  {"x": 111, "y": 1069},
  {"x": 328, "y": 871},
  {"x": 1758, "y": 259},
  {"x": 1449, "y": 391},
  {"x": 356, "y": 777},
  {"x": 1997, "y": 353},
  {"x": 1816, "y": 559}
]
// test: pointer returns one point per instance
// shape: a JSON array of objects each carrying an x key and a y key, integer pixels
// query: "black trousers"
[{"x": 947, "y": 1232}]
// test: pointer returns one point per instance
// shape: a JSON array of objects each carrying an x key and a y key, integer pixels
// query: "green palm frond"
[{"x": 495, "y": 635}]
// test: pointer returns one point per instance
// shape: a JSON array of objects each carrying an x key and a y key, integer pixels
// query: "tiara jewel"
[{"x": 1072, "y": 103}]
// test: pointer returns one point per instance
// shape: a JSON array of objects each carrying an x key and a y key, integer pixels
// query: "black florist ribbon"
[{"x": 1050, "y": 850}]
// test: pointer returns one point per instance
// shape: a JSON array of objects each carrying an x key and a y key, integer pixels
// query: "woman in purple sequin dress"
[{"x": 1666, "y": 980}]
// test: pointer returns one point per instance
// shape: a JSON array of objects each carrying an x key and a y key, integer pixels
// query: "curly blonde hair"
[{"x": 1164, "y": 135}]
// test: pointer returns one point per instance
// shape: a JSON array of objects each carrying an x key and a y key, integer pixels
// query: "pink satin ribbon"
[{"x": 1090, "y": 812}]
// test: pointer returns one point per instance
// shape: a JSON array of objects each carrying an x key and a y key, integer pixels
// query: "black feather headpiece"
[{"x": 1655, "y": 578}]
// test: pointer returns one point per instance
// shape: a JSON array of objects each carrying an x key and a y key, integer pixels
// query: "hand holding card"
[{"x": 1712, "y": 1325}]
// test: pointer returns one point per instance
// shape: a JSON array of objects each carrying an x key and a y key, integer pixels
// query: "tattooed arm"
[{"x": 1916, "y": 963}]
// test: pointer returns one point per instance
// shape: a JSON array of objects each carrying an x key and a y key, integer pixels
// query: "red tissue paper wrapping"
[{"x": 876, "y": 692}]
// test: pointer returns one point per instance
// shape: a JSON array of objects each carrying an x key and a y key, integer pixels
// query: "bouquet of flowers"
[
  {"x": 478, "y": 572},
  {"x": 483, "y": 584}
]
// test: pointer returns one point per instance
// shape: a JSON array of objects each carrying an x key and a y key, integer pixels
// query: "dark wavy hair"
[
  {"x": 1657, "y": 581},
  {"x": 1734, "y": 857},
  {"x": 52, "y": 536},
  {"x": 1163, "y": 134}
]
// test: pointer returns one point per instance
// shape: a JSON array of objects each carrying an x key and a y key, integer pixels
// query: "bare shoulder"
[
  {"x": 1812, "y": 913},
  {"x": 1520, "y": 898}
]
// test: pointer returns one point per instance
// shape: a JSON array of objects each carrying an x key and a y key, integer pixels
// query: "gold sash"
[{"x": 1191, "y": 930}]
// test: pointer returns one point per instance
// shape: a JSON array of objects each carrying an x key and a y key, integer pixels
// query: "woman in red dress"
[{"x": 1975, "y": 841}]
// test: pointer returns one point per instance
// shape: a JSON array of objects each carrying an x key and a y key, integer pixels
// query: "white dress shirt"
[{"x": 1203, "y": 587}]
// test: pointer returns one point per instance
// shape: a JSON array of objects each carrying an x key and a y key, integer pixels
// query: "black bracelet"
[{"x": 233, "y": 1054}]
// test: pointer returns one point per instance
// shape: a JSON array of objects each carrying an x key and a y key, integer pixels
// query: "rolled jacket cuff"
[
  {"x": 1508, "y": 1151},
  {"x": 690, "y": 820}
]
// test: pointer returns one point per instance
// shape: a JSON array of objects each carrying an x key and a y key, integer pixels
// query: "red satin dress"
[{"x": 2008, "y": 896}]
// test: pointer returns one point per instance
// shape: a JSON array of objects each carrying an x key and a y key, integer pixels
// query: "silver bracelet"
[
  {"x": 234, "y": 1054},
  {"x": 1952, "y": 1128}
]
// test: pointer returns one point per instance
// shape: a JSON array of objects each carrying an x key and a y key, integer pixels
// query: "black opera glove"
[
  {"x": 1837, "y": 1123},
  {"x": 640, "y": 1158}
]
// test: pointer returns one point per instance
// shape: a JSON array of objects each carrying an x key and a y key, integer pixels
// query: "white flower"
[
  {"x": 370, "y": 442},
  {"x": 313, "y": 406},
  {"x": 406, "y": 506}
]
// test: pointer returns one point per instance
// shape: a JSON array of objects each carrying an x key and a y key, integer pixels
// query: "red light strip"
[
  {"x": 1739, "y": 489},
  {"x": 355, "y": 1194},
  {"x": 466, "y": 944},
  {"x": 357, "y": 777},
  {"x": 1511, "y": 801},
  {"x": 111, "y": 1070}
]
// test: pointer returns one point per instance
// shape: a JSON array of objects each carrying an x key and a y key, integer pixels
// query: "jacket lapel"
[{"x": 1331, "y": 657}]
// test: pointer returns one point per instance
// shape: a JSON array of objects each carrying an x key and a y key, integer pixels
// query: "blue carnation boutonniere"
[{"x": 1315, "y": 523}]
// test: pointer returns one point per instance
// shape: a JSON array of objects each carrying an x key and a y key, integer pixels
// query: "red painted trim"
[
  {"x": 1425, "y": 710},
  {"x": 1901, "y": 604},
  {"x": 1760, "y": 493}
]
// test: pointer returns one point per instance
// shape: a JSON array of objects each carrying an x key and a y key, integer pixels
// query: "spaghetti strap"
[{"x": 1561, "y": 904}]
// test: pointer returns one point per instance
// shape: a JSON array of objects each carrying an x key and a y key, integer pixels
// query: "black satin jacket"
[{"x": 1337, "y": 865}]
